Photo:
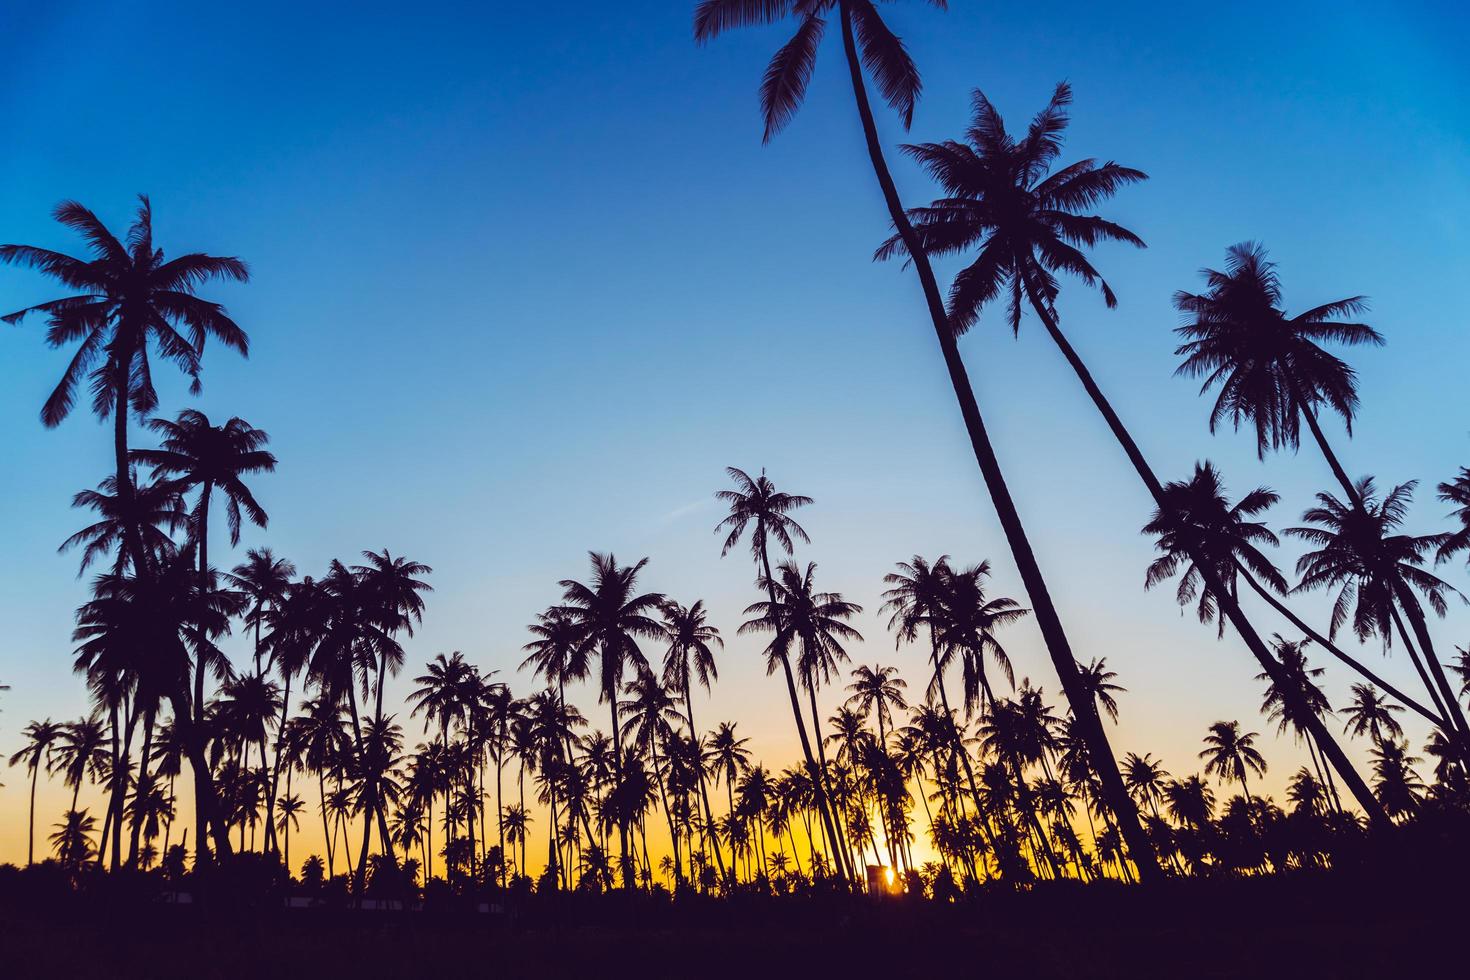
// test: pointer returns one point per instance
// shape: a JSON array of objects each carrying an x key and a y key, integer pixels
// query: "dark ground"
[{"x": 1325, "y": 926}]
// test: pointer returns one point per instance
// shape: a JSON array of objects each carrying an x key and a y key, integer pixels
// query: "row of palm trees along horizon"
[{"x": 1012, "y": 789}]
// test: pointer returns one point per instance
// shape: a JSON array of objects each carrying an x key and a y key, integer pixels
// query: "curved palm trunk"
[
  {"x": 1048, "y": 621},
  {"x": 1228, "y": 604},
  {"x": 626, "y": 858},
  {"x": 1415, "y": 612},
  {"x": 818, "y": 775}
]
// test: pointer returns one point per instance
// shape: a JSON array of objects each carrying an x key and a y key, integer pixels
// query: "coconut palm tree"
[
  {"x": 265, "y": 580},
  {"x": 1199, "y": 506},
  {"x": 127, "y": 295},
  {"x": 81, "y": 753},
  {"x": 1098, "y": 682},
  {"x": 613, "y": 617},
  {"x": 41, "y": 738},
  {"x": 72, "y": 840},
  {"x": 1146, "y": 779},
  {"x": 650, "y": 713},
  {"x": 441, "y": 696},
  {"x": 877, "y": 691},
  {"x": 1376, "y": 574},
  {"x": 1270, "y": 368},
  {"x": 1230, "y": 753},
  {"x": 288, "y": 817},
  {"x": 690, "y": 656},
  {"x": 1456, "y": 491},
  {"x": 1004, "y": 197},
  {"x": 755, "y": 504},
  {"x": 156, "y": 513},
  {"x": 868, "y": 43},
  {"x": 1399, "y": 787},
  {"x": 727, "y": 756},
  {"x": 1369, "y": 714},
  {"x": 200, "y": 455},
  {"x": 1277, "y": 707}
]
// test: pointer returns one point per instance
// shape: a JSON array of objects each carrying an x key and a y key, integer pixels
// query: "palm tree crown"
[{"x": 1004, "y": 199}]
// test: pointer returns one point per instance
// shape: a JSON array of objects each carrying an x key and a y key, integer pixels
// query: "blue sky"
[{"x": 525, "y": 281}]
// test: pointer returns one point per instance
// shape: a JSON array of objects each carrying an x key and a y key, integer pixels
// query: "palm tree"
[
  {"x": 156, "y": 513},
  {"x": 72, "y": 840},
  {"x": 207, "y": 457},
  {"x": 1146, "y": 779},
  {"x": 40, "y": 745},
  {"x": 81, "y": 753},
  {"x": 265, "y": 580},
  {"x": 1397, "y": 784},
  {"x": 1456, "y": 491},
  {"x": 1003, "y": 196},
  {"x": 1270, "y": 368},
  {"x": 649, "y": 715},
  {"x": 288, "y": 809},
  {"x": 1369, "y": 714},
  {"x": 728, "y": 758},
  {"x": 878, "y": 691},
  {"x": 1280, "y": 708},
  {"x": 1230, "y": 754},
  {"x": 691, "y": 655},
  {"x": 867, "y": 42},
  {"x": 757, "y": 505},
  {"x": 127, "y": 295},
  {"x": 613, "y": 616},
  {"x": 1377, "y": 573},
  {"x": 441, "y": 696},
  {"x": 1199, "y": 506},
  {"x": 1097, "y": 680},
  {"x": 390, "y": 592}
]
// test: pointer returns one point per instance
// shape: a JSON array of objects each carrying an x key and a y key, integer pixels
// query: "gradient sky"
[{"x": 525, "y": 281}]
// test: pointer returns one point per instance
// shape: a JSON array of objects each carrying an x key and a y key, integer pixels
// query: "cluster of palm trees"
[{"x": 1011, "y": 787}]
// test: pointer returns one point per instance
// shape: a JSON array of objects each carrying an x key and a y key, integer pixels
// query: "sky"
[{"x": 525, "y": 280}]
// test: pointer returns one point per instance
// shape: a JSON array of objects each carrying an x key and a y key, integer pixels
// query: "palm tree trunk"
[
  {"x": 711, "y": 840},
  {"x": 31, "y": 832},
  {"x": 500, "y": 807},
  {"x": 137, "y": 823},
  {"x": 1415, "y": 613},
  {"x": 132, "y": 537},
  {"x": 275, "y": 783},
  {"x": 321, "y": 786},
  {"x": 1418, "y": 663},
  {"x": 1047, "y": 619},
  {"x": 1226, "y": 599},
  {"x": 625, "y": 858}
]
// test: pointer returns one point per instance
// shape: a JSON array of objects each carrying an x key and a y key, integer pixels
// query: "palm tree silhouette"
[
  {"x": 728, "y": 758},
  {"x": 649, "y": 714},
  {"x": 127, "y": 295},
  {"x": 1277, "y": 707},
  {"x": 1199, "y": 506},
  {"x": 1097, "y": 680},
  {"x": 1456, "y": 491},
  {"x": 885, "y": 58},
  {"x": 1230, "y": 753},
  {"x": 156, "y": 513},
  {"x": 1377, "y": 573},
  {"x": 440, "y": 695},
  {"x": 1270, "y": 368},
  {"x": 1026, "y": 220},
  {"x": 1369, "y": 714},
  {"x": 691, "y": 655},
  {"x": 72, "y": 840},
  {"x": 757, "y": 505},
  {"x": 613, "y": 616},
  {"x": 39, "y": 750}
]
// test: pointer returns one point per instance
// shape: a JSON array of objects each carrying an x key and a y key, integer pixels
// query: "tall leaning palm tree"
[
  {"x": 1233, "y": 542},
  {"x": 1270, "y": 368},
  {"x": 41, "y": 738},
  {"x": 756, "y": 505},
  {"x": 868, "y": 44},
  {"x": 126, "y": 297},
  {"x": 1377, "y": 574},
  {"x": 1026, "y": 220}
]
